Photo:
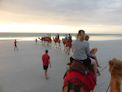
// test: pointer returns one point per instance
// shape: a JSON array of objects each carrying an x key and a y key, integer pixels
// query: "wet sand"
[{"x": 21, "y": 70}]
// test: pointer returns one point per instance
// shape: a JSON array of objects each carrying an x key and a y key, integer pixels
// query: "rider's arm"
[{"x": 88, "y": 50}]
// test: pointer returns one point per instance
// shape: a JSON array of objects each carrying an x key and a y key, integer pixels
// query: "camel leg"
[
  {"x": 118, "y": 85},
  {"x": 66, "y": 90},
  {"x": 59, "y": 44},
  {"x": 68, "y": 50},
  {"x": 115, "y": 85}
]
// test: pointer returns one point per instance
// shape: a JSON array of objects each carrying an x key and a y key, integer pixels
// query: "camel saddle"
[{"x": 80, "y": 66}]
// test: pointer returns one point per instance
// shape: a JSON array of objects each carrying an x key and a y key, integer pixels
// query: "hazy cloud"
[{"x": 69, "y": 11}]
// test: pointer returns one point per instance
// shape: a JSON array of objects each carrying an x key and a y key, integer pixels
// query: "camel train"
[{"x": 46, "y": 40}]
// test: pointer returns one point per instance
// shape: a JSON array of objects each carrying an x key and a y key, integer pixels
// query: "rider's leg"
[{"x": 94, "y": 65}]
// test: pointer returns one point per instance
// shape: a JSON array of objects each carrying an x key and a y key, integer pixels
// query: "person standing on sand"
[
  {"x": 15, "y": 44},
  {"x": 46, "y": 62},
  {"x": 36, "y": 40}
]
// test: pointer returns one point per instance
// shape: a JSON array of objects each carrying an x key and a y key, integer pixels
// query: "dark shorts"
[{"x": 45, "y": 67}]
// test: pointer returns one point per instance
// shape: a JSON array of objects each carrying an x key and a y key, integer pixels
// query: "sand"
[{"x": 21, "y": 70}]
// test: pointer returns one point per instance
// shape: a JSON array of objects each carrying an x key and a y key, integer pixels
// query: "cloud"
[{"x": 104, "y": 12}]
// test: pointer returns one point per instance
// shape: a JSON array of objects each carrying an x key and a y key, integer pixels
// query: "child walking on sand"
[{"x": 46, "y": 62}]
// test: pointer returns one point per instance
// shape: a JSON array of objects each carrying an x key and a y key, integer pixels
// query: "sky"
[{"x": 94, "y": 16}]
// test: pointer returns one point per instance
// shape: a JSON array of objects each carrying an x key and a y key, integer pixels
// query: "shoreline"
[
  {"x": 33, "y": 36},
  {"x": 33, "y": 39}
]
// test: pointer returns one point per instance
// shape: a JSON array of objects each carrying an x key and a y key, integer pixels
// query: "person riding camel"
[
  {"x": 93, "y": 55},
  {"x": 66, "y": 36},
  {"x": 81, "y": 48},
  {"x": 81, "y": 51},
  {"x": 57, "y": 36},
  {"x": 69, "y": 37}
]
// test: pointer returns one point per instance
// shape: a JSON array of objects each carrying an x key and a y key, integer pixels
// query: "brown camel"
[
  {"x": 56, "y": 41},
  {"x": 45, "y": 40},
  {"x": 115, "y": 68},
  {"x": 67, "y": 45},
  {"x": 79, "y": 78}
]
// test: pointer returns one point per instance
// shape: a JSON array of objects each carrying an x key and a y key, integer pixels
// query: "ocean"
[{"x": 33, "y": 36}]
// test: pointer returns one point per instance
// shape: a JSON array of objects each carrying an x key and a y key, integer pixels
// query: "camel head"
[{"x": 115, "y": 67}]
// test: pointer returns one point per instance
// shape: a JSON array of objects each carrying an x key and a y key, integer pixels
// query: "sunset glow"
[
  {"x": 60, "y": 17},
  {"x": 24, "y": 27},
  {"x": 29, "y": 27}
]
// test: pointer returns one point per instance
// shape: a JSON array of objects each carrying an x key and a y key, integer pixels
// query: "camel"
[
  {"x": 115, "y": 69},
  {"x": 46, "y": 39},
  {"x": 67, "y": 45},
  {"x": 56, "y": 41},
  {"x": 79, "y": 78},
  {"x": 84, "y": 79}
]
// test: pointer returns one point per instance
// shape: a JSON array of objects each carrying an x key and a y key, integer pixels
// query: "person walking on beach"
[
  {"x": 36, "y": 40},
  {"x": 46, "y": 62},
  {"x": 15, "y": 44}
]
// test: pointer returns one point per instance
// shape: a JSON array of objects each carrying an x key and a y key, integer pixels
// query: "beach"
[{"x": 22, "y": 71}]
